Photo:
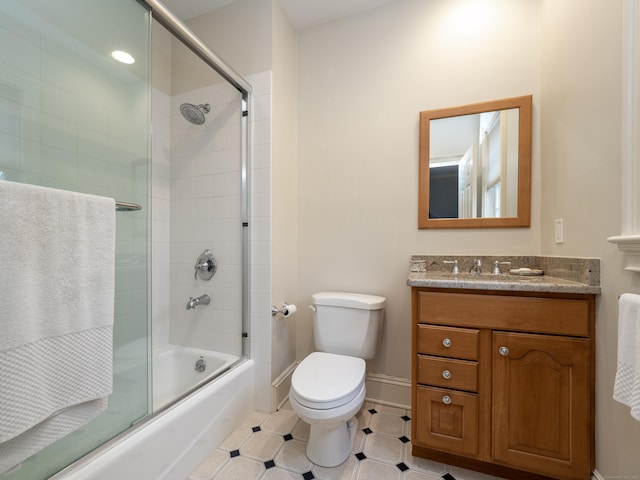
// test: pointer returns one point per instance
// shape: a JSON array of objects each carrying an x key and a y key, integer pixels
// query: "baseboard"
[
  {"x": 383, "y": 389},
  {"x": 280, "y": 387},
  {"x": 388, "y": 390}
]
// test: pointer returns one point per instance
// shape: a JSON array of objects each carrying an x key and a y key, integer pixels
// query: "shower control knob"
[
  {"x": 446, "y": 400},
  {"x": 446, "y": 374},
  {"x": 206, "y": 266},
  {"x": 446, "y": 342}
]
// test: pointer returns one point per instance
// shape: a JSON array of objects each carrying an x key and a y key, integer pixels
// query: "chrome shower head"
[{"x": 194, "y": 113}]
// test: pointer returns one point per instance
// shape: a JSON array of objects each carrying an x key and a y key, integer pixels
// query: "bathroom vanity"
[{"x": 503, "y": 371}]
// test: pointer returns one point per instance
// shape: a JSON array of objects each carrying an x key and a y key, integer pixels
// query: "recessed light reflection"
[{"x": 123, "y": 57}]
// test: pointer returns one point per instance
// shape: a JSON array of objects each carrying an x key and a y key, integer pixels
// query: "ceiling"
[{"x": 302, "y": 13}]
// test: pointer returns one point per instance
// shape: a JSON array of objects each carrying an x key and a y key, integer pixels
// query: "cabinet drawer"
[
  {"x": 448, "y": 341},
  {"x": 560, "y": 316},
  {"x": 448, "y": 373},
  {"x": 447, "y": 420}
]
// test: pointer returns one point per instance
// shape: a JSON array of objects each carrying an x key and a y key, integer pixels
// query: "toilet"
[{"x": 327, "y": 388}]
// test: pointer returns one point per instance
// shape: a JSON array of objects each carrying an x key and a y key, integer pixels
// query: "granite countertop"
[{"x": 562, "y": 275}]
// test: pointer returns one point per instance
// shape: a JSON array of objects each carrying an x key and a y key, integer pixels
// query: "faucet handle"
[
  {"x": 206, "y": 266},
  {"x": 496, "y": 267},
  {"x": 454, "y": 269}
]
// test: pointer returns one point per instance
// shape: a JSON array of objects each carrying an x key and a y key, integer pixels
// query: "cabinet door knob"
[
  {"x": 446, "y": 374},
  {"x": 446, "y": 400},
  {"x": 504, "y": 351},
  {"x": 446, "y": 342}
]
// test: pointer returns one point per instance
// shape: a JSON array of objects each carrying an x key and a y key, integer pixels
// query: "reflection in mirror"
[{"x": 475, "y": 165}]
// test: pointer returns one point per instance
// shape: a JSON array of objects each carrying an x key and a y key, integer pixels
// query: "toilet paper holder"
[{"x": 286, "y": 310}]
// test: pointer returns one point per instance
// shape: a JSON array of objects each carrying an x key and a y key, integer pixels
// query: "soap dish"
[{"x": 526, "y": 272}]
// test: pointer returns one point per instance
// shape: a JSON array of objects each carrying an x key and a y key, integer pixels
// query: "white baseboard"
[
  {"x": 596, "y": 476},
  {"x": 383, "y": 389},
  {"x": 280, "y": 387},
  {"x": 388, "y": 390}
]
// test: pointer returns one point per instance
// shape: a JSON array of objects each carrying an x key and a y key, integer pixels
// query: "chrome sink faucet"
[
  {"x": 476, "y": 267},
  {"x": 496, "y": 267}
]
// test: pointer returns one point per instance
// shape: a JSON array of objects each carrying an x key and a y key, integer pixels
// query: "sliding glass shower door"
[{"x": 74, "y": 118}]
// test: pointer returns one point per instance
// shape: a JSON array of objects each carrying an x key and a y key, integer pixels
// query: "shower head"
[{"x": 194, "y": 113}]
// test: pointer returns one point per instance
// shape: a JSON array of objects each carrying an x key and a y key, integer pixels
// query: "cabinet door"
[
  {"x": 446, "y": 420},
  {"x": 541, "y": 402}
]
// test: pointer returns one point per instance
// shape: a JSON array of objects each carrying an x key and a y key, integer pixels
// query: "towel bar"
[{"x": 127, "y": 207}]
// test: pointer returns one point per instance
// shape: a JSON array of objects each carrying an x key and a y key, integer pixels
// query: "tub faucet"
[
  {"x": 193, "y": 302},
  {"x": 476, "y": 267}
]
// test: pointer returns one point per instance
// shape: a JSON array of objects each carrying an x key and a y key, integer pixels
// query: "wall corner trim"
[
  {"x": 630, "y": 246},
  {"x": 628, "y": 241}
]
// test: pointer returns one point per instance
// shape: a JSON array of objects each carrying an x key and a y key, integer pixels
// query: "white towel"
[
  {"x": 626, "y": 389},
  {"x": 57, "y": 266}
]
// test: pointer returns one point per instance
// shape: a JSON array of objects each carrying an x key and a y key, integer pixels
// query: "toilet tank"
[{"x": 347, "y": 323}]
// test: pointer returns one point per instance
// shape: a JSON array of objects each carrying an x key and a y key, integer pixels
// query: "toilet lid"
[{"x": 326, "y": 380}]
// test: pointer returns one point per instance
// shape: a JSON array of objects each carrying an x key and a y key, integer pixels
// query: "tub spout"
[{"x": 193, "y": 302}]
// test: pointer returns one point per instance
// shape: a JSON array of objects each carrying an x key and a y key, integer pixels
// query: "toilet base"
[{"x": 330, "y": 445}]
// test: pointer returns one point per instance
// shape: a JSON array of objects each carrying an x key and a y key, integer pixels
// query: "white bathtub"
[
  {"x": 171, "y": 444},
  {"x": 174, "y": 371}
]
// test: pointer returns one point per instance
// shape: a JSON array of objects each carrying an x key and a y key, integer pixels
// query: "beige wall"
[
  {"x": 284, "y": 191},
  {"x": 581, "y": 45},
  {"x": 240, "y": 33},
  {"x": 362, "y": 82}
]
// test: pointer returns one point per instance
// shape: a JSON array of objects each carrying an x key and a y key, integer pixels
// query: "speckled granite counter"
[{"x": 561, "y": 274}]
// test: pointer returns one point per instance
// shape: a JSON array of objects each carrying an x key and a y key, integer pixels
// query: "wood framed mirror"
[{"x": 475, "y": 165}]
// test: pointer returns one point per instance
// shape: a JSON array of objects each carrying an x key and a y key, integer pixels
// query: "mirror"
[{"x": 475, "y": 165}]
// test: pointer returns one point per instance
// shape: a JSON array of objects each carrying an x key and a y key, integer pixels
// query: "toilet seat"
[{"x": 326, "y": 380}]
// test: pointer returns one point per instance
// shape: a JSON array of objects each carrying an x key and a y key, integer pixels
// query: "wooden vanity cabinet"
[{"x": 503, "y": 382}]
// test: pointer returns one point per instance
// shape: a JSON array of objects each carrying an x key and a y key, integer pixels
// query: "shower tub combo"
[
  {"x": 182, "y": 376},
  {"x": 174, "y": 442},
  {"x": 198, "y": 396},
  {"x": 178, "y": 369},
  {"x": 215, "y": 390}
]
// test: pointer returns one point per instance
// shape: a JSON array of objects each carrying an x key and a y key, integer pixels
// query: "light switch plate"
[{"x": 559, "y": 230}]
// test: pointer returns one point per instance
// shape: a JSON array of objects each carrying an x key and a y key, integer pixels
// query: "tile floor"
[{"x": 272, "y": 447}]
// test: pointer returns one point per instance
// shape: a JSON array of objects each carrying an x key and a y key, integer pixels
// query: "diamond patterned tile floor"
[{"x": 272, "y": 447}]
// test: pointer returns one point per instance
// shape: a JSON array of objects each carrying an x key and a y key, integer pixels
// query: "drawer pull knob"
[
  {"x": 504, "y": 351},
  {"x": 446, "y": 342},
  {"x": 446, "y": 374},
  {"x": 446, "y": 400}
]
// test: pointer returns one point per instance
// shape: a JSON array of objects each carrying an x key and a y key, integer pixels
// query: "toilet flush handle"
[{"x": 313, "y": 309}]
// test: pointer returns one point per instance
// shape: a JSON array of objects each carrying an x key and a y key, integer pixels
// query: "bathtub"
[
  {"x": 174, "y": 371},
  {"x": 172, "y": 443}
]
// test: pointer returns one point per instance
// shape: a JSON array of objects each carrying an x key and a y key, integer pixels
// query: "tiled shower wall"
[
  {"x": 196, "y": 206},
  {"x": 205, "y": 212},
  {"x": 260, "y": 237},
  {"x": 193, "y": 190},
  {"x": 160, "y": 216}
]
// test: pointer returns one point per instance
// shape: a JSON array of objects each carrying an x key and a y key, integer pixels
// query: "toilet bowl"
[{"x": 327, "y": 390}]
